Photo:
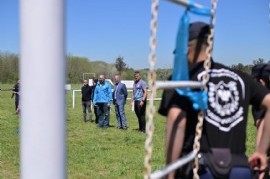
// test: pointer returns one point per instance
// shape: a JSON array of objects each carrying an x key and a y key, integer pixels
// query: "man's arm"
[
  {"x": 95, "y": 96},
  {"x": 131, "y": 100},
  {"x": 109, "y": 94},
  {"x": 92, "y": 93},
  {"x": 265, "y": 139},
  {"x": 259, "y": 125},
  {"x": 144, "y": 94},
  {"x": 259, "y": 159},
  {"x": 125, "y": 91},
  {"x": 175, "y": 133}
]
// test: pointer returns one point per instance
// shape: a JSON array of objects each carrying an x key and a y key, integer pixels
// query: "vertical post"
[
  {"x": 73, "y": 99},
  {"x": 42, "y": 51}
]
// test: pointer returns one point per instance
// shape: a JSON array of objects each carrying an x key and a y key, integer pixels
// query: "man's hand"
[
  {"x": 258, "y": 162},
  {"x": 131, "y": 105}
]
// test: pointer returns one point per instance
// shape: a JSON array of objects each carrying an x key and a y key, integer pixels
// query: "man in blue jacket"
[
  {"x": 119, "y": 100},
  {"x": 102, "y": 100}
]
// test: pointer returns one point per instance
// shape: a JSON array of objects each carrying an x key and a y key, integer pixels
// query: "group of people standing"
[{"x": 101, "y": 95}]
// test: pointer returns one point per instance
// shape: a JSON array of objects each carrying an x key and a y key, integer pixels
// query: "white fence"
[{"x": 78, "y": 90}]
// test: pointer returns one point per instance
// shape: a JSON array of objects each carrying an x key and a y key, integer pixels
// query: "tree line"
[{"x": 77, "y": 66}]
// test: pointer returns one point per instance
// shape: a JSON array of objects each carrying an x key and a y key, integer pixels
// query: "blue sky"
[{"x": 104, "y": 30}]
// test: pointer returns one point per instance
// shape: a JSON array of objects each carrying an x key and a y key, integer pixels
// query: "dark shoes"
[
  {"x": 123, "y": 128},
  {"x": 90, "y": 120}
]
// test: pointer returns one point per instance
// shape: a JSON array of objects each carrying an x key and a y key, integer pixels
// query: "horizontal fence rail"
[{"x": 173, "y": 166}]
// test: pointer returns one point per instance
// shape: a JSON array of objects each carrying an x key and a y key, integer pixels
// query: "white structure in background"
[
  {"x": 90, "y": 82},
  {"x": 128, "y": 83},
  {"x": 43, "y": 113},
  {"x": 68, "y": 87},
  {"x": 89, "y": 77}
]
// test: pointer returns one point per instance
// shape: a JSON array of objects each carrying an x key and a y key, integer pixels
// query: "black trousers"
[
  {"x": 140, "y": 113},
  {"x": 96, "y": 114}
]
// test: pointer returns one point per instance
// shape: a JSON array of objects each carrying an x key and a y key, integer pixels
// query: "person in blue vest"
[
  {"x": 119, "y": 100},
  {"x": 102, "y": 100},
  {"x": 223, "y": 141}
]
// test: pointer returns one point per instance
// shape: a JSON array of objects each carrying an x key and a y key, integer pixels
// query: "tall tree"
[
  {"x": 243, "y": 68},
  {"x": 258, "y": 61},
  {"x": 120, "y": 65}
]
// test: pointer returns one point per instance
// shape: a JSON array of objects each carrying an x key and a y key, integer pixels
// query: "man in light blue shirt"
[
  {"x": 139, "y": 96},
  {"x": 102, "y": 100}
]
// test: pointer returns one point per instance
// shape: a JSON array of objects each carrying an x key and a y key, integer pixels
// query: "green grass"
[{"x": 92, "y": 152}]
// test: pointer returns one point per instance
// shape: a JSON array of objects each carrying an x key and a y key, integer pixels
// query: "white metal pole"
[
  {"x": 179, "y": 84},
  {"x": 42, "y": 51},
  {"x": 73, "y": 99}
]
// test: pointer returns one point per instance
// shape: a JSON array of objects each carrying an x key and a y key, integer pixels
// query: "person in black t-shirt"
[
  {"x": 229, "y": 94},
  {"x": 86, "y": 100},
  {"x": 261, "y": 73}
]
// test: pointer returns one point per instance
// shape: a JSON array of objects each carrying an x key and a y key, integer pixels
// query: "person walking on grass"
[
  {"x": 87, "y": 92},
  {"x": 119, "y": 100},
  {"x": 102, "y": 100}
]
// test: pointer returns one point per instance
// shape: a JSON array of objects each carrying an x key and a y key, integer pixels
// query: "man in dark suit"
[{"x": 119, "y": 101}]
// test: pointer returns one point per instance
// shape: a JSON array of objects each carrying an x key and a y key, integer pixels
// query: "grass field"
[{"x": 91, "y": 152}]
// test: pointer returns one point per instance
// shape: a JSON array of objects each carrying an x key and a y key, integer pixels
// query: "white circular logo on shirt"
[
  {"x": 226, "y": 92},
  {"x": 224, "y": 97}
]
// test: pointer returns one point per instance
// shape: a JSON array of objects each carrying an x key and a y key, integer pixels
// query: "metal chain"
[
  {"x": 206, "y": 77},
  {"x": 152, "y": 87}
]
